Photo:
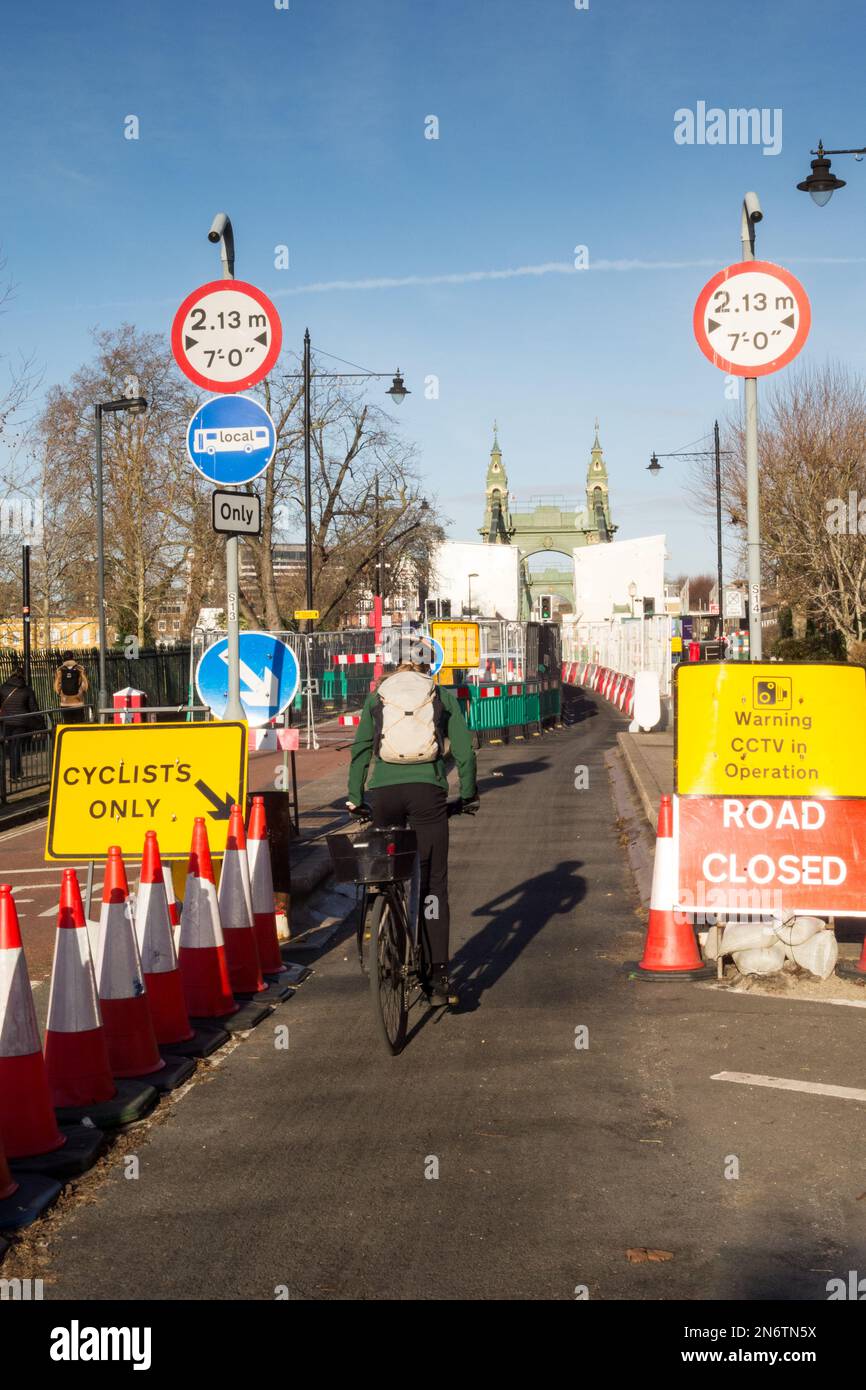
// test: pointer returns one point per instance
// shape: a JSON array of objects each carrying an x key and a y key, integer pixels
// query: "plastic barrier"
[{"x": 497, "y": 711}]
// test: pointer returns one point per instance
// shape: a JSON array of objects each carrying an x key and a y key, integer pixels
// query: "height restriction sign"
[
  {"x": 226, "y": 336},
  {"x": 752, "y": 318}
]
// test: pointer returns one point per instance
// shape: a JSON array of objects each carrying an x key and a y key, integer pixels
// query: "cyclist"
[{"x": 404, "y": 726}]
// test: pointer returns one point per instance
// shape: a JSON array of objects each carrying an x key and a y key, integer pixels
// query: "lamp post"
[
  {"x": 221, "y": 231},
  {"x": 398, "y": 391},
  {"x": 136, "y": 405},
  {"x": 821, "y": 184},
  {"x": 470, "y": 577},
  {"x": 632, "y": 588},
  {"x": 752, "y": 214},
  {"x": 654, "y": 467}
]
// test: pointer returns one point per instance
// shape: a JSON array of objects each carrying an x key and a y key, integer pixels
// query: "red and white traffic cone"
[
  {"x": 25, "y": 1198},
  {"x": 173, "y": 909},
  {"x": 670, "y": 950},
  {"x": 76, "y": 1050},
  {"x": 158, "y": 956},
  {"x": 262, "y": 890},
  {"x": 27, "y": 1120},
  {"x": 236, "y": 911},
  {"x": 132, "y": 1049},
  {"x": 202, "y": 953}
]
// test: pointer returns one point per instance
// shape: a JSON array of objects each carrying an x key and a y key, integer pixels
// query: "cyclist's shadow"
[{"x": 517, "y": 916}]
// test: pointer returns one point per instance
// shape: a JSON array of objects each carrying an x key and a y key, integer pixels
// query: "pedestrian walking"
[
  {"x": 19, "y": 718},
  {"x": 70, "y": 685}
]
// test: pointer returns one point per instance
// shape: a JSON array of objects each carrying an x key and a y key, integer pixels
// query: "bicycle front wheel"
[{"x": 388, "y": 962}]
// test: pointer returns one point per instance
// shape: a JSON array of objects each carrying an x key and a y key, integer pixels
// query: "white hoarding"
[
  {"x": 494, "y": 581},
  {"x": 603, "y": 573}
]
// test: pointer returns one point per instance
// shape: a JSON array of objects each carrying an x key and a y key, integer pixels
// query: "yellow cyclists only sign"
[{"x": 110, "y": 783}]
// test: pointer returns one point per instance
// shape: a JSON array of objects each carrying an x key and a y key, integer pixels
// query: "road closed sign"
[
  {"x": 746, "y": 855},
  {"x": 110, "y": 783},
  {"x": 768, "y": 729}
]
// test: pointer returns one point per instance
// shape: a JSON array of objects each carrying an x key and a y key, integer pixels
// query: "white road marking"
[
  {"x": 786, "y": 998},
  {"x": 50, "y": 869},
  {"x": 22, "y": 829},
  {"x": 781, "y": 1083}
]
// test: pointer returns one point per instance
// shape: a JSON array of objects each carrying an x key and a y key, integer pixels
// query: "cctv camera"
[
  {"x": 753, "y": 207},
  {"x": 218, "y": 226}
]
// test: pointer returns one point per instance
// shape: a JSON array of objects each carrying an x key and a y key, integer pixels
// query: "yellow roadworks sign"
[
  {"x": 112, "y": 782},
  {"x": 306, "y": 612},
  {"x": 460, "y": 643},
  {"x": 768, "y": 729}
]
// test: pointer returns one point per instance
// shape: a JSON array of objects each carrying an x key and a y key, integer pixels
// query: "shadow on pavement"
[{"x": 517, "y": 915}]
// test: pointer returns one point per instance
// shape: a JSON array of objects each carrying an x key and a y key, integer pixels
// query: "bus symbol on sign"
[{"x": 230, "y": 441}]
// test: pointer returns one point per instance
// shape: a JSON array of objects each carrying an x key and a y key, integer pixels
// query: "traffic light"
[
  {"x": 432, "y": 609},
  {"x": 546, "y": 605},
  {"x": 445, "y": 607}
]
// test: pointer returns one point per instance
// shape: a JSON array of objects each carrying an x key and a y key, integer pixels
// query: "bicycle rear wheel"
[{"x": 388, "y": 969}]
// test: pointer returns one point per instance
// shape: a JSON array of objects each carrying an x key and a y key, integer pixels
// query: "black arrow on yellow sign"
[{"x": 223, "y": 804}]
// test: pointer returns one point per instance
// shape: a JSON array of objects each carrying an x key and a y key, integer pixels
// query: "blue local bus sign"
[
  {"x": 269, "y": 677},
  {"x": 231, "y": 440}
]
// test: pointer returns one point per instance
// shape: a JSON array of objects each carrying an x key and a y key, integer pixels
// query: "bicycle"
[{"x": 384, "y": 865}]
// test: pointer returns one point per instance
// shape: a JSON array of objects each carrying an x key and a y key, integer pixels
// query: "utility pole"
[
  {"x": 378, "y": 667},
  {"x": 25, "y": 607},
  {"x": 308, "y": 501},
  {"x": 750, "y": 215},
  {"x": 221, "y": 231},
  {"x": 719, "y": 531}
]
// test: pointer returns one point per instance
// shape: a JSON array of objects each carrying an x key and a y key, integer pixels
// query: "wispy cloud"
[{"x": 470, "y": 277}]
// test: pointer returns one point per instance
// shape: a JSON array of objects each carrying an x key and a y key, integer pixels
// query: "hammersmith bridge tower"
[{"x": 547, "y": 524}]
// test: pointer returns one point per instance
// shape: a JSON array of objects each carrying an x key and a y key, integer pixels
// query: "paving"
[{"x": 521, "y": 1146}]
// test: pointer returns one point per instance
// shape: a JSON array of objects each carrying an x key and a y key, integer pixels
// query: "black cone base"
[
  {"x": 275, "y": 992},
  {"x": 33, "y": 1197},
  {"x": 84, "y": 1144},
  {"x": 133, "y": 1100},
  {"x": 247, "y": 1016},
  {"x": 670, "y": 977},
  {"x": 203, "y": 1042},
  {"x": 176, "y": 1071},
  {"x": 848, "y": 970},
  {"x": 294, "y": 973}
]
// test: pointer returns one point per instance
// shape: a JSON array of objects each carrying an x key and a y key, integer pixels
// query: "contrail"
[{"x": 469, "y": 277}]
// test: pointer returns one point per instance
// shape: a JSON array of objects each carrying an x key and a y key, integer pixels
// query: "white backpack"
[{"x": 409, "y": 702}]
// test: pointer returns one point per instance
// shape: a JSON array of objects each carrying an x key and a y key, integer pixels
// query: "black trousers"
[{"x": 423, "y": 807}]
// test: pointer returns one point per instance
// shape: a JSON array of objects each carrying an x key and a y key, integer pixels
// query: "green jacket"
[{"x": 395, "y": 774}]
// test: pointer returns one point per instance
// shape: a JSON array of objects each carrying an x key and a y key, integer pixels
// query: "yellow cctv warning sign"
[
  {"x": 768, "y": 729},
  {"x": 110, "y": 783}
]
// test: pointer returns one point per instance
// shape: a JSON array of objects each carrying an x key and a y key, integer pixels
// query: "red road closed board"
[{"x": 747, "y": 854}]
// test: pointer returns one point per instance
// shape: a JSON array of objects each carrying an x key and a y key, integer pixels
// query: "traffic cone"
[
  {"x": 22, "y": 1202},
  {"x": 262, "y": 890},
  {"x": 76, "y": 1050},
  {"x": 236, "y": 911},
  {"x": 173, "y": 910},
  {"x": 670, "y": 950},
  {"x": 132, "y": 1049},
  {"x": 158, "y": 956},
  {"x": 202, "y": 953},
  {"x": 27, "y": 1121}
]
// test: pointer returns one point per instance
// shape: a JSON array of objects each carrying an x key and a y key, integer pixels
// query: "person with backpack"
[
  {"x": 70, "y": 684},
  {"x": 404, "y": 728},
  {"x": 19, "y": 717}
]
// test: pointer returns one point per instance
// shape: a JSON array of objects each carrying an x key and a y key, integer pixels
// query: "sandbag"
[
  {"x": 760, "y": 960},
  {"x": 748, "y": 936},
  {"x": 796, "y": 930},
  {"x": 818, "y": 955}
]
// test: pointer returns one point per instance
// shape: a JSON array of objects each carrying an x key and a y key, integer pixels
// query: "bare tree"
[{"x": 812, "y": 461}]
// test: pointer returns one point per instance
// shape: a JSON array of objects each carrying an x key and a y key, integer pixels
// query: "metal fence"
[
  {"x": 26, "y": 753},
  {"x": 625, "y": 645}
]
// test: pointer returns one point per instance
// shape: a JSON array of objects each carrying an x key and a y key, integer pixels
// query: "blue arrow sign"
[
  {"x": 437, "y": 653},
  {"x": 269, "y": 677},
  {"x": 231, "y": 440}
]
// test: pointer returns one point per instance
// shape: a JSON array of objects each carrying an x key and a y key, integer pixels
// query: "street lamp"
[
  {"x": 632, "y": 588},
  {"x": 654, "y": 467},
  {"x": 470, "y": 578},
  {"x": 135, "y": 405},
  {"x": 398, "y": 391},
  {"x": 821, "y": 184}
]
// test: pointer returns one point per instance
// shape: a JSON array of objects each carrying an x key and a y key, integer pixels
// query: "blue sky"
[{"x": 556, "y": 129}]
